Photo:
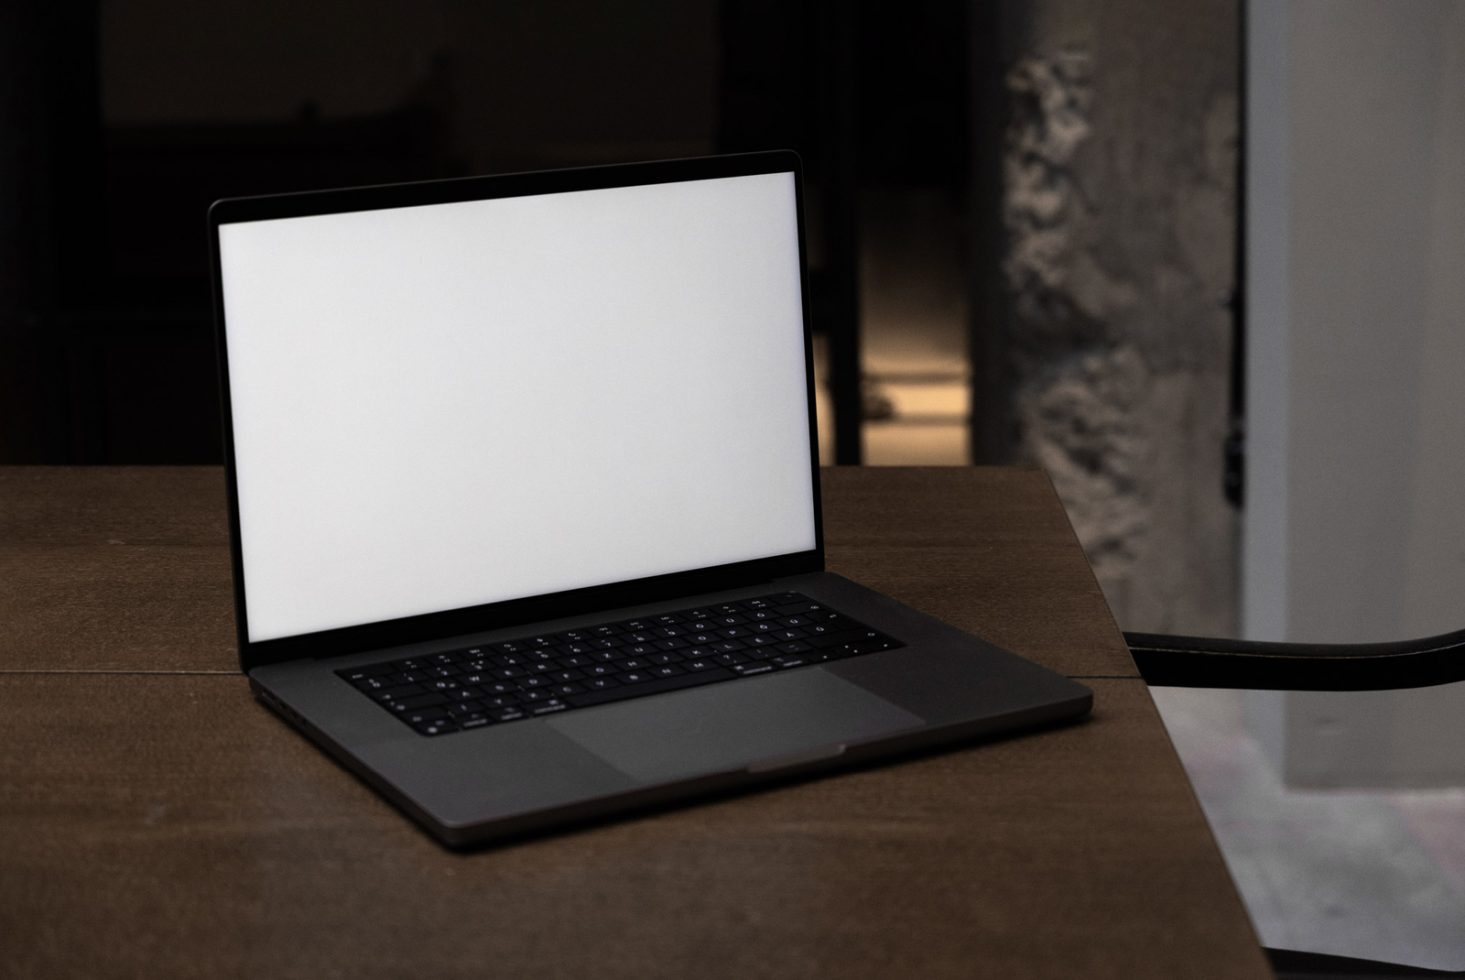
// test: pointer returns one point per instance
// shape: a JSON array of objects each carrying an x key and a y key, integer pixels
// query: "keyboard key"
[
  {"x": 417, "y": 701},
  {"x": 462, "y": 690},
  {"x": 399, "y": 692},
  {"x": 657, "y": 686},
  {"x": 360, "y": 673},
  {"x": 425, "y": 714}
]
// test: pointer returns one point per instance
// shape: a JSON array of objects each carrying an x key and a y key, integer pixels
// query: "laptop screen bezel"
[{"x": 510, "y": 613}]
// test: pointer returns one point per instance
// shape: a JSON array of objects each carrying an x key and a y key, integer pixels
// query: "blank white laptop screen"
[{"x": 447, "y": 405}]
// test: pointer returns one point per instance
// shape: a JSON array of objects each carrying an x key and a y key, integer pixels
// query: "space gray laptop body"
[{"x": 519, "y": 467}]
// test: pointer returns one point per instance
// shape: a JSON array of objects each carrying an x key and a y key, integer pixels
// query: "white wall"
[{"x": 1354, "y": 528}]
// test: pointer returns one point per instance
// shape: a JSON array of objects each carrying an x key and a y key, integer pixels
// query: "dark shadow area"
[{"x": 121, "y": 124}]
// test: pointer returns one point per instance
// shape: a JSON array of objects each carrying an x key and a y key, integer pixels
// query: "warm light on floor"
[{"x": 929, "y": 422}]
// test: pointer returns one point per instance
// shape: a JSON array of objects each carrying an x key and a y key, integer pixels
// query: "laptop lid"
[{"x": 460, "y": 405}]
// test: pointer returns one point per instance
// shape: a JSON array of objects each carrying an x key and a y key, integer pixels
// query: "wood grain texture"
[
  {"x": 115, "y": 568},
  {"x": 128, "y": 568},
  {"x": 986, "y": 549},
  {"x": 165, "y": 825},
  {"x": 112, "y": 505},
  {"x": 168, "y": 826}
]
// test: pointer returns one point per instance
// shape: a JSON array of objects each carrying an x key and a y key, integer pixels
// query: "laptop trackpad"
[{"x": 798, "y": 716}]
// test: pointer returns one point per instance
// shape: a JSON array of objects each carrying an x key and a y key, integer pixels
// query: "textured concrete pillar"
[{"x": 1109, "y": 362}]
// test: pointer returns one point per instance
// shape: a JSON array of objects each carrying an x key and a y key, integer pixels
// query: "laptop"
[{"x": 524, "y": 499}]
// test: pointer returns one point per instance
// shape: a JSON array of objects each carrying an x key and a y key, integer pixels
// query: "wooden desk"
[{"x": 155, "y": 821}]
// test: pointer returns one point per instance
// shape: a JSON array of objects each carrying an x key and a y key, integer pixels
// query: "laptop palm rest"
[{"x": 781, "y": 720}]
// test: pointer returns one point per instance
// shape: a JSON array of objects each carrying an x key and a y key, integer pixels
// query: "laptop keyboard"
[{"x": 541, "y": 675}]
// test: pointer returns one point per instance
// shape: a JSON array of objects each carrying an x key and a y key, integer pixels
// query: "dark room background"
[
  {"x": 1022, "y": 215},
  {"x": 123, "y": 121}
]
